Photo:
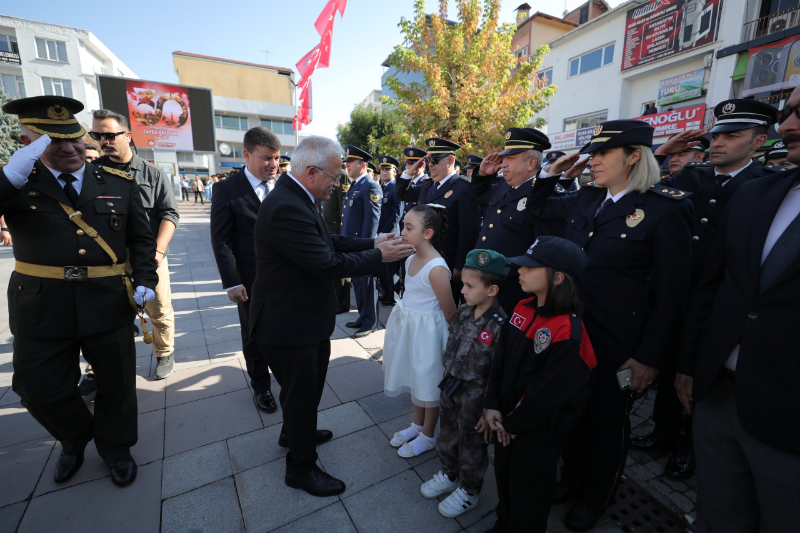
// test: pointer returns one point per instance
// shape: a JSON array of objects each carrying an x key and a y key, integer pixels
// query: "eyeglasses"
[
  {"x": 334, "y": 178},
  {"x": 784, "y": 113},
  {"x": 107, "y": 135},
  {"x": 434, "y": 160}
]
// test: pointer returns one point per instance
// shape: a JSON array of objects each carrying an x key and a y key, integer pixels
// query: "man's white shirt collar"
[
  {"x": 735, "y": 172},
  {"x": 310, "y": 196},
  {"x": 77, "y": 184}
]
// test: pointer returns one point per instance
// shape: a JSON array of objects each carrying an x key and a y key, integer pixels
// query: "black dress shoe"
[
  {"x": 563, "y": 493},
  {"x": 681, "y": 466},
  {"x": 363, "y": 333},
  {"x": 353, "y": 324},
  {"x": 123, "y": 473},
  {"x": 340, "y": 310},
  {"x": 582, "y": 517},
  {"x": 265, "y": 401},
  {"x": 323, "y": 435},
  {"x": 316, "y": 482},
  {"x": 67, "y": 466},
  {"x": 652, "y": 441}
]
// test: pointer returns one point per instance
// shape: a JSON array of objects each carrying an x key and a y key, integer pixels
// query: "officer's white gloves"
[
  {"x": 143, "y": 295},
  {"x": 21, "y": 163}
]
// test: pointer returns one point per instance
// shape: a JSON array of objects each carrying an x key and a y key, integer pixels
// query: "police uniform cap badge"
[
  {"x": 521, "y": 204},
  {"x": 634, "y": 219},
  {"x": 483, "y": 259},
  {"x": 730, "y": 107},
  {"x": 508, "y": 135},
  {"x": 598, "y": 130},
  {"x": 448, "y": 194},
  {"x": 431, "y": 142},
  {"x": 541, "y": 340}
]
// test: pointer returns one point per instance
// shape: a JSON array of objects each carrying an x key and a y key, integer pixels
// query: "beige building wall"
[
  {"x": 544, "y": 30},
  {"x": 234, "y": 81}
]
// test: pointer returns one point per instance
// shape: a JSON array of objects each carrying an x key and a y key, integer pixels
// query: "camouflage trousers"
[{"x": 462, "y": 450}]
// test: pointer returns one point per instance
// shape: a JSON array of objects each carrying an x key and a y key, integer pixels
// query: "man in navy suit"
[
  {"x": 361, "y": 210},
  {"x": 389, "y": 222},
  {"x": 234, "y": 207}
]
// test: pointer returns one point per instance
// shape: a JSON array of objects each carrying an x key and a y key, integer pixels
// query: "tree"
[
  {"x": 376, "y": 129},
  {"x": 475, "y": 87},
  {"x": 9, "y": 131}
]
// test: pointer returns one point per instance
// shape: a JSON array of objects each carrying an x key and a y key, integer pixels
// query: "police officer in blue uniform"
[
  {"x": 389, "y": 223},
  {"x": 637, "y": 234},
  {"x": 565, "y": 185},
  {"x": 777, "y": 156},
  {"x": 473, "y": 162},
  {"x": 412, "y": 155},
  {"x": 448, "y": 189},
  {"x": 361, "y": 210},
  {"x": 508, "y": 227}
]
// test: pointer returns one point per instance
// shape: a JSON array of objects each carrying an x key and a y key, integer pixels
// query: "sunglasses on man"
[
  {"x": 787, "y": 111},
  {"x": 107, "y": 135},
  {"x": 434, "y": 160}
]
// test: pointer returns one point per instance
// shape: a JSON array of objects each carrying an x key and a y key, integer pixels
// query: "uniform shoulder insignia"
[
  {"x": 702, "y": 164},
  {"x": 590, "y": 184},
  {"x": 116, "y": 172},
  {"x": 669, "y": 192},
  {"x": 466, "y": 178},
  {"x": 560, "y": 189}
]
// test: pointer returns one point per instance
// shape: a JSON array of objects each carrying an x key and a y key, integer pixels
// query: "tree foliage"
[
  {"x": 378, "y": 130},
  {"x": 474, "y": 85},
  {"x": 9, "y": 131}
]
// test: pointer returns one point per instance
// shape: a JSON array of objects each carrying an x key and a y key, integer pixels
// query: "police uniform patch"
[
  {"x": 521, "y": 204},
  {"x": 541, "y": 340},
  {"x": 116, "y": 172},
  {"x": 533, "y": 246},
  {"x": 483, "y": 259},
  {"x": 634, "y": 219},
  {"x": 351, "y": 203},
  {"x": 448, "y": 194},
  {"x": 374, "y": 197}
]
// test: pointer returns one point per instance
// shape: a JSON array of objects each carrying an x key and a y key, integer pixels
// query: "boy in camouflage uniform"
[{"x": 467, "y": 359}]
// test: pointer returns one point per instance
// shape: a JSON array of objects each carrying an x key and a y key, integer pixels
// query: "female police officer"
[{"x": 637, "y": 235}]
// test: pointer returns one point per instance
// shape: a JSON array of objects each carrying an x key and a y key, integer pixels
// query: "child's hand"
[
  {"x": 494, "y": 419},
  {"x": 484, "y": 429}
]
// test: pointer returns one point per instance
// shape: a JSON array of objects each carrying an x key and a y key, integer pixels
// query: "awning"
[{"x": 741, "y": 67}]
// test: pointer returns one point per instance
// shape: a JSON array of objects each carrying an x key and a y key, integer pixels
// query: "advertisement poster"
[
  {"x": 662, "y": 28},
  {"x": 672, "y": 122},
  {"x": 563, "y": 140},
  {"x": 680, "y": 88},
  {"x": 583, "y": 136},
  {"x": 159, "y": 115},
  {"x": 773, "y": 67}
]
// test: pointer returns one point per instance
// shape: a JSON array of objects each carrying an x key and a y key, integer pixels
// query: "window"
[
  {"x": 146, "y": 153},
  {"x": 238, "y": 152},
  {"x": 522, "y": 52},
  {"x": 547, "y": 76},
  {"x": 185, "y": 157},
  {"x": 585, "y": 121},
  {"x": 12, "y": 85},
  {"x": 57, "y": 87},
  {"x": 230, "y": 123},
  {"x": 591, "y": 61},
  {"x": 8, "y": 43},
  {"x": 584, "y": 14},
  {"x": 52, "y": 50},
  {"x": 283, "y": 127}
]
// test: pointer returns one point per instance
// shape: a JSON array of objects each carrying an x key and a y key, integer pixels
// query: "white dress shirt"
[
  {"x": 787, "y": 212},
  {"x": 261, "y": 188},
  {"x": 441, "y": 183},
  {"x": 77, "y": 184},
  {"x": 732, "y": 174}
]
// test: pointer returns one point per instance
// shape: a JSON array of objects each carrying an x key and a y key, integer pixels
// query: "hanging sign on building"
[
  {"x": 676, "y": 121},
  {"x": 563, "y": 140},
  {"x": 681, "y": 87},
  {"x": 773, "y": 67}
]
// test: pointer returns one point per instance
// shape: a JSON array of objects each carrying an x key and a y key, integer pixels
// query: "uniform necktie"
[
  {"x": 721, "y": 179},
  {"x": 70, "y": 191},
  {"x": 608, "y": 203},
  {"x": 783, "y": 254}
]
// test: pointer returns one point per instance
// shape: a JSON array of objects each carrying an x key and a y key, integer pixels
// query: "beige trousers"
[{"x": 162, "y": 317}]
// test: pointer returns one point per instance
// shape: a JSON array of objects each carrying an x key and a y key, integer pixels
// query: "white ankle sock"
[
  {"x": 418, "y": 444},
  {"x": 410, "y": 433}
]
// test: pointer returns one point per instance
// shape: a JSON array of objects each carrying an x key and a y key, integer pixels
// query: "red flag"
[
  {"x": 308, "y": 64},
  {"x": 326, "y": 17},
  {"x": 302, "y": 118},
  {"x": 341, "y": 4},
  {"x": 325, "y": 46}
]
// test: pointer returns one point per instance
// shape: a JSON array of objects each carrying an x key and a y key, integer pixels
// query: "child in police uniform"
[
  {"x": 539, "y": 383},
  {"x": 467, "y": 359}
]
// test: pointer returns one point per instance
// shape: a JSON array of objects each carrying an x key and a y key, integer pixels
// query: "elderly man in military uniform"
[
  {"x": 362, "y": 210},
  {"x": 331, "y": 211},
  {"x": 74, "y": 225}
]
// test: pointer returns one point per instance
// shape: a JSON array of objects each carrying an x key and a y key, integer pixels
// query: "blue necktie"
[{"x": 608, "y": 203}]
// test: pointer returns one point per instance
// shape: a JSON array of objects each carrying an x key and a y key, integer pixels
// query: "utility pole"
[{"x": 266, "y": 56}]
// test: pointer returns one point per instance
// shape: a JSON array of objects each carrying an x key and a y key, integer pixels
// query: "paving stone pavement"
[{"x": 209, "y": 460}]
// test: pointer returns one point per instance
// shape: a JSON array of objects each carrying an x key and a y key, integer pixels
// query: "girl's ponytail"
[{"x": 434, "y": 216}]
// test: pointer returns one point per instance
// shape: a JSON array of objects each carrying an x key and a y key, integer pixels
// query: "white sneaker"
[
  {"x": 458, "y": 503},
  {"x": 438, "y": 485}
]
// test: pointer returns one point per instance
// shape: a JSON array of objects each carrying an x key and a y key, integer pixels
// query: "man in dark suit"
[
  {"x": 332, "y": 215},
  {"x": 234, "y": 206},
  {"x": 293, "y": 312},
  {"x": 738, "y": 348}
]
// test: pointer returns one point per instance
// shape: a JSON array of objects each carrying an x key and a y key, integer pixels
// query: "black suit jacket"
[
  {"x": 234, "y": 207},
  {"x": 298, "y": 259},
  {"x": 726, "y": 309}
]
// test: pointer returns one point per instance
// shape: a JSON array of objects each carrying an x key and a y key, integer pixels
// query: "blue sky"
[{"x": 144, "y": 36}]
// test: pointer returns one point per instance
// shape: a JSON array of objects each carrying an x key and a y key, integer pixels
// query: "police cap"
[
  {"x": 387, "y": 161},
  {"x": 524, "y": 139},
  {"x": 615, "y": 133},
  {"x": 372, "y": 167},
  {"x": 438, "y": 146},
  {"x": 356, "y": 154},
  {"x": 552, "y": 157},
  {"x": 777, "y": 151},
  {"x": 740, "y": 114},
  {"x": 473, "y": 161},
  {"x": 285, "y": 160},
  {"x": 414, "y": 154}
]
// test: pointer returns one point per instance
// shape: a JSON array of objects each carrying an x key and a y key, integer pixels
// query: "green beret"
[{"x": 488, "y": 261}]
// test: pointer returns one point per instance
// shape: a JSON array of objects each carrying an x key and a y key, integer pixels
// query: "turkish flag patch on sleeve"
[{"x": 485, "y": 337}]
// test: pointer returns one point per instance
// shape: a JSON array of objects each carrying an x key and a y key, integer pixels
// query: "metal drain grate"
[{"x": 634, "y": 510}]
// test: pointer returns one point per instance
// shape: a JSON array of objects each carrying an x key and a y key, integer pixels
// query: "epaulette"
[
  {"x": 497, "y": 318},
  {"x": 116, "y": 172},
  {"x": 702, "y": 164},
  {"x": 773, "y": 168},
  {"x": 591, "y": 184},
  {"x": 560, "y": 189},
  {"x": 675, "y": 194},
  {"x": 466, "y": 178}
]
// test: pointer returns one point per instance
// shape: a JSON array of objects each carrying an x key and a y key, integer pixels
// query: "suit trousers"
[
  {"x": 343, "y": 293},
  {"x": 595, "y": 450},
  {"x": 743, "y": 485},
  {"x": 254, "y": 360},
  {"x": 46, "y": 375},
  {"x": 366, "y": 301},
  {"x": 300, "y": 371},
  {"x": 525, "y": 471}
]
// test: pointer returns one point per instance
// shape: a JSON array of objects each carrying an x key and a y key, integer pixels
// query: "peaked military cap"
[
  {"x": 48, "y": 115},
  {"x": 705, "y": 142},
  {"x": 438, "y": 146},
  {"x": 523, "y": 139},
  {"x": 387, "y": 161},
  {"x": 414, "y": 154},
  {"x": 372, "y": 167},
  {"x": 488, "y": 261},
  {"x": 356, "y": 154},
  {"x": 615, "y": 133},
  {"x": 552, "y": 157},
  {"x": 777, "y": 151},
  {"x": 473, "y": 161},
  {"x": 740, "y": 114},
  {"x": 285, "y": 160}
]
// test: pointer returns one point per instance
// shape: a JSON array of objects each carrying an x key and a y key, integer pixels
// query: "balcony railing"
[
  {"x": 10, "y": 57},
  {"x": 777, "y": 22}
]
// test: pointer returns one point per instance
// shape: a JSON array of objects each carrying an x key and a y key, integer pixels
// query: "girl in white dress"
[{"x": 416, "y": 333}]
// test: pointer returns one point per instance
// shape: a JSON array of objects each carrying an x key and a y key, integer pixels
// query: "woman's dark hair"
[
  {"x": 562, "y": 299},
  {"x": 435, "y": 218}
]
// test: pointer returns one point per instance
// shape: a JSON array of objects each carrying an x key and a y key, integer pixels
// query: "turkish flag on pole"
[
  {"x": 325, "y": 46},
  {"x": 340, "y": 5},
  {"x": 308, "y": 63},
  {"x": 326, "y": 17},
  {"x": 303, "y": 105}
]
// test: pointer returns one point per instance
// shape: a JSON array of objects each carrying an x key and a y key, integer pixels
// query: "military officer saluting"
[
  {"x": 508, "y": 227},
  {"x": 448, "y": 189},
  {"x": 331, "y": 211},
  {"x": 564, "y": 185},
  {"x": 362, "y": 210},
  {"x": 74, "y": 225},
  {"x": 412, "y": 155},
  {"x": 473, "y": 162},
  {"x": 389, "y": 222}
]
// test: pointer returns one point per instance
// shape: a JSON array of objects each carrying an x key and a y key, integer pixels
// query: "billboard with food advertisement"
[
  {"x": 773, "y": 67},
  {"x": 676, "y": 121},
  {"x": 659, "y": 29},
  {"x": 162, "y": 116}
]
